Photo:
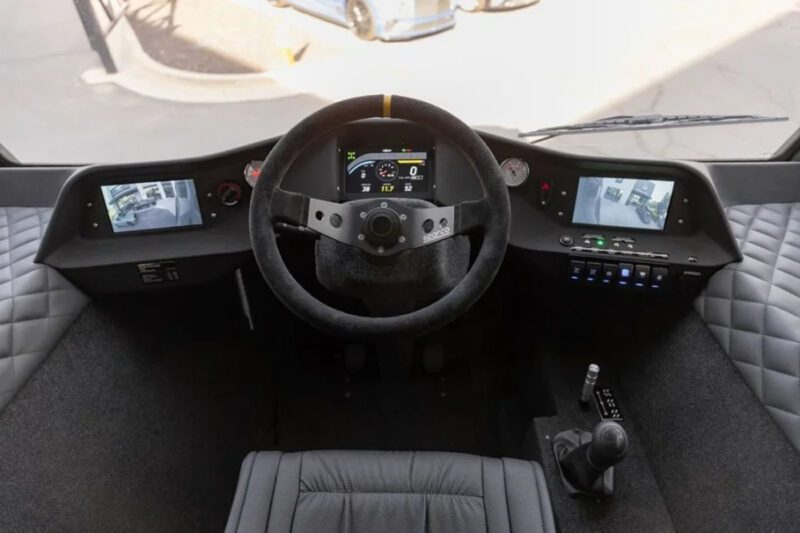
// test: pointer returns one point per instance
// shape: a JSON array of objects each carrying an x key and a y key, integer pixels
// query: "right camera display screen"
[{"x": 636, "y": 203}]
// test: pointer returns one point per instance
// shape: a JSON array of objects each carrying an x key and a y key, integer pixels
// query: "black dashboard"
[{"x": 633, "y": 225}]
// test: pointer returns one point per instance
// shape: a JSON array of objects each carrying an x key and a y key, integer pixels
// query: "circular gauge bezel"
[
  {"x": 515, "y": 160},
  {"x": 395, "y": 173}
]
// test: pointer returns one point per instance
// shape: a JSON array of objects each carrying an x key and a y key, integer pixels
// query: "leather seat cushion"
[{"x": 368, "y": 491}]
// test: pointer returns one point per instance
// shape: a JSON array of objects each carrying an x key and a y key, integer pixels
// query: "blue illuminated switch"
[
  {"x": 658, "y": 277},
  {"x": 641, "y": 275},
  {"x": 625, "y": 274},
  {"x": 609, "y": 272},
  {"x": 593, "y": 271},
  {"x": 576, "y": 269}
]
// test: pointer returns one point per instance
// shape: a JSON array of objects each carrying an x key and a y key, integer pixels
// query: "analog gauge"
[
  {"x": 387, "y": 170},
  {"x": 515, "y": 171}
]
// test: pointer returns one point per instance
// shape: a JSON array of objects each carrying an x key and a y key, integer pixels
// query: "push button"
[
  {"x": 641, "y": 275},
  {"x": 609, "y": 272},
  {"x": 625, "y": 273},
  {"x": 593, "y": 271},
  {"x": 545, "y": 192},
  {"x": 594, "y": 239},
  {"x": 576, "y": 269},
  {"x": 658, "y": 277}
]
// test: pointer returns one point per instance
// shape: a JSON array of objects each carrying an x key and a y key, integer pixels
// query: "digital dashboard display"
[
  {"x": 636, "y": 203},
  {"x": 152, "y": 205},
  {"x": 387, "y": 171}
]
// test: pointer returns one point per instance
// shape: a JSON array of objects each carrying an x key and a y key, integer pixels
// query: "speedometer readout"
[{"x": 387, "y": 172}]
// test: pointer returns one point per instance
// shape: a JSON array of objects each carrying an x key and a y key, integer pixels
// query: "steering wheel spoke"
[
  {"x": 380, "y": 227},
  {"x": 472, "y": 214},
  {"x": 321, "y": 216},
  {"x": 288, "y": 207},
  {"x": 334, "y": 220}
]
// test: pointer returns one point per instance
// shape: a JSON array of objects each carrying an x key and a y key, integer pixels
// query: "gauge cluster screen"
[
  {"x": 403, "y": 171},
  {"x": 637, "y": 203},
  {"x": 151, "y": 205}
]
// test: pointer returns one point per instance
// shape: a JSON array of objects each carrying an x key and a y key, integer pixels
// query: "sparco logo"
[{"x": 436, "y": 235}]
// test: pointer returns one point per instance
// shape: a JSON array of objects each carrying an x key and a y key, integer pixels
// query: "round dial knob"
[{"x": 229, "y": 193}]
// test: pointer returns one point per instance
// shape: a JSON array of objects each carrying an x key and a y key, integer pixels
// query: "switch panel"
[{"x": 619, "y": 274}]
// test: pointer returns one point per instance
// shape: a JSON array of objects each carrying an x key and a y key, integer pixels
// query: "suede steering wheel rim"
[{"x": 270, "y": 204}]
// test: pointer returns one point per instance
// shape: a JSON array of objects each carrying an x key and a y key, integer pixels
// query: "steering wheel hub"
[{"x": 382, "y": 227}]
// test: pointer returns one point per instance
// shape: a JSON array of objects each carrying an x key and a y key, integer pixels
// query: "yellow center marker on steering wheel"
[{"x": 387, "y": 106}]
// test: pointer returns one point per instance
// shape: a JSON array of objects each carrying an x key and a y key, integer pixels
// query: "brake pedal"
[
  {"x": 355, "y": 358},
  {"x": 433, "y": 358}
]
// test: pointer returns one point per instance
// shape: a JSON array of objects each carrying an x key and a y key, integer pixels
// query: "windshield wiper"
[{"x": 648, "y": 122}]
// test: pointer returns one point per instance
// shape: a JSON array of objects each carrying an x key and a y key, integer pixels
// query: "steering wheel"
[{"x": 386, "y": 228}]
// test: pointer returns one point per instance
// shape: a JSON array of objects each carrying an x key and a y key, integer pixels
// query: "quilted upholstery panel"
[
  {"x": 753, "y": 307},
  {"x": 36, "y": 303}
]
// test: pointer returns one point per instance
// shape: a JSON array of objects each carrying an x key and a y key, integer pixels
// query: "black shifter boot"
[{"x": 586, "y": 460}]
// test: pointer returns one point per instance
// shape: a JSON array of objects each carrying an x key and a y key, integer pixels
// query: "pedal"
[
  {"x": 355, "y": 358},
  {"x": 433, "y": 358}
]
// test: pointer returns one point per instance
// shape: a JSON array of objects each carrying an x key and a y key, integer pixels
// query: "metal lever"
[{"x": 588, "y": 385}]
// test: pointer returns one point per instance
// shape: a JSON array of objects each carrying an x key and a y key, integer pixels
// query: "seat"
[
  {"x": 753, "y": 308},
  {"x": 37, "y": 304},
  {"x": 370, "y": 491}
]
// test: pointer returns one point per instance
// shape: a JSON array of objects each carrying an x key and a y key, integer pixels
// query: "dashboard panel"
[{"x": 627, "y": 224}]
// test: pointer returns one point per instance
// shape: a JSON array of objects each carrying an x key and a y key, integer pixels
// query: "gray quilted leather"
[
  {"x": 36, "y": 303},
  {"x": 753, "y": 307}
]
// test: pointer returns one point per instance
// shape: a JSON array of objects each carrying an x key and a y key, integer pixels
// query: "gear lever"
[{"x": 586, "y": 460}]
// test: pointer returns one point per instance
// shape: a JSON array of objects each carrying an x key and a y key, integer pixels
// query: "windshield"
[{"x": 89, "y": 81}]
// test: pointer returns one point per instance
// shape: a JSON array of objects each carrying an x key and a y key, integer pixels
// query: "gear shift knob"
[
  {"x": 586, "y": 459},
  {"x": 609, "y": 445}
]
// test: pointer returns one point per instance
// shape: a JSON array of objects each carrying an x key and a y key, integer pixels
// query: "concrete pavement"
[
  {"x": 49, "y": 115},
  {"x": 213, "y": 36},
  {"x": 557, "y": 62}
]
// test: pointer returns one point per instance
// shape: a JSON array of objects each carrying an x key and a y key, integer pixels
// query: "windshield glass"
[{"x": 89, "y": 81}]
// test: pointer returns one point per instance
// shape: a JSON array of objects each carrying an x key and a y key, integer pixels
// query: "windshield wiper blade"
[{"x": 648, "y": 122}]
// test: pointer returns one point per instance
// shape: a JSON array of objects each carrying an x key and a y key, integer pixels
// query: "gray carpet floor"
[
  {"x": 141, "y": 416},
  {"x": 134, "y": 423}
]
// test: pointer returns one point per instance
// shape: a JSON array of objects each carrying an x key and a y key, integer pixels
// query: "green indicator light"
[{"x": 600, "y": 242}]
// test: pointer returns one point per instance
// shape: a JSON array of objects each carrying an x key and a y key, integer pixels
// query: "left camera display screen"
[{"x": 152, "y": 205}]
